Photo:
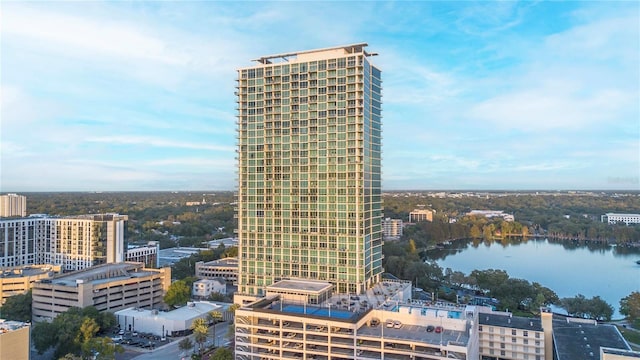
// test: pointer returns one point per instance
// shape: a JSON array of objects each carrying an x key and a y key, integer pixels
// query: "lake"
[{"x": 566, "y": 267}]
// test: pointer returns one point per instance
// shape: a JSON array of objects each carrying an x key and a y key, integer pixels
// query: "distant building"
[
  {"x": 226, "y": 268},
  {"x": 491, "y": 214},
  {"x": 13, "y": 205},
  {"x": 392, "y": 228},
  {"x": 170, "y": 256},
  {"x": 614, "y": 218},
  {"x": 226, "y": 242},
  {"x": 205, "y": 287},
  {"x": 14, "y": 340},
  {"x": 420, "y": 215},
  {"x": 18, "y": 280},
  {"x": 74, "y": 242},
  {"x": 146, "y": 254},
  {"x": 108, "y": 287},
  {"x": 166, "y": 323}
]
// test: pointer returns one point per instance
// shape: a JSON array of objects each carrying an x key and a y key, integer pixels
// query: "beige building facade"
[
  {"x": 17, "y": 281},
  {"x": 392, "y": 228},
  {"x": 420, "y": 215},
  {"x": 13, "y": 205},
  {"x": 108, "y": 287},
  {"x": 226, "y": 268},
  {"x": 14, "y": 340}
]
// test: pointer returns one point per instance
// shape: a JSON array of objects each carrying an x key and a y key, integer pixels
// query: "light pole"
[{"x": 441, "y": 328}]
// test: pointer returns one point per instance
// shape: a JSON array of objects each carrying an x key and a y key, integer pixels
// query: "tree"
[
  {"x": 200, "y": 331},
  {"x": 185, "y": 344},
  {"x": 17, "y": 307},
  {"x": 222, "y": 354},
  {"x": 630, "y": 306},
  {"x": 178, "y": 294}
]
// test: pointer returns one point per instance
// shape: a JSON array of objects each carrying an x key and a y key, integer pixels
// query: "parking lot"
[{"x": 139, "y": 341}]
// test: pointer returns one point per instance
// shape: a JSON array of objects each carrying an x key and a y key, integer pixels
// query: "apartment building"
[
  {"x": 226, "y": 268},
  {"x": 204, "y": 287},
  {"x": 14, "y": 340},
  {"x": 75, "y": 243},
  {"x": 392, "y": 228},
  {"x": 18, "y": 280},
  {"x": 108, "y": 287},
  {"x": 13, "y": 205},
  {"x": 504, "y": 336},
  {"x": 309, "y": 179}
]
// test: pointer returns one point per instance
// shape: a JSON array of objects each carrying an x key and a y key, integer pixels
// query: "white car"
[{"x": 389, "y": 323}]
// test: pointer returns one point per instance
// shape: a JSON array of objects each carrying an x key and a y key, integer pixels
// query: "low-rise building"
[
  {"x": 18, "y": 280},
  {"x": 108, "y": 287},
  {"x": 226, "y": 268},
  {"x": 504, "y": 336},
  {"x": 420, "y": 215},
  {"x": 165, "y": 323},
  {"x": 205, "y": 287},
  {"x": 392, "y": 228},
  {"x": 146, "y": 254},
  {"x": 582, "y": 339},
  {"x": 170, "y": 256},
  {"x": 14, "y": 340},
  {"x": 614, "y": 218},
  {"x": 491, "y": 214},
  {"x": 617, "y": 354}
]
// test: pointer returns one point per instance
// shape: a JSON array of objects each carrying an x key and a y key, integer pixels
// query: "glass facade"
[{"x": 309, "y": 162}]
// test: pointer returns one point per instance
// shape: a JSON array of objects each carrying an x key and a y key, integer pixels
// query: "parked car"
[
  {"x": 397, "y": 324},
  {"x": 389, "y": 323},
  {"x": 430, "y": 328},
  {"x": 438, "y": 329}
]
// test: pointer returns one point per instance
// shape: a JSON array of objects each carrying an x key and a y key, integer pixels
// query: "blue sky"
[{"x": 477, "y": 95}]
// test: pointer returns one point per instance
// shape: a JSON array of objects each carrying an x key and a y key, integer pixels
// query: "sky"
[{"x": 127, "y": 96}]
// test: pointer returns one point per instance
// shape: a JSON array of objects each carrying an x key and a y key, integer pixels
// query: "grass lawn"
[{"x": 630, "y": 335}]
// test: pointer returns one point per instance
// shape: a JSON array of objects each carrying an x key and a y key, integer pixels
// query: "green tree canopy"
[
  {"x": 17, "y": 308},
  {"x": 630, "y": 306},
  {"x": 178, "y": 294},
  {"x": 222, "y": 354}
]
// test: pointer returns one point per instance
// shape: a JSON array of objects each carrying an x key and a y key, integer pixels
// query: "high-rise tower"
[{"x": 309, "y": 178}]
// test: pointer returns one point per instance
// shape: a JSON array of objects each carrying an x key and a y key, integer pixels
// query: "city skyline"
[{"x": 139, "y": 96}]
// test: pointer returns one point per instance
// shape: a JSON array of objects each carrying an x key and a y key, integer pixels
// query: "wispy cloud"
[{"x": 157, "y": 142}]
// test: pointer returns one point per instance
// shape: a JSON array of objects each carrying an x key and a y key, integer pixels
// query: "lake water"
[{"x": 565, "y": 267}]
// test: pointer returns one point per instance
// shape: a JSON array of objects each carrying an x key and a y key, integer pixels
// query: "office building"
[
  {"x": 75, "y": 242},
  {"x": 226, "y": 268},
  {"x": 13, "y": 205},
  {"x": 392, "y": 228},
  {"x": 309, "y": 181},
  {"x": 107, "y": 287},
  {"x": 146, "y": 254},
  {"x": 14, "y": 340},
  {"x": 418, "y": 215},
  {"x": 18, "y": 280},
  {"x": 614, "y": 218}
]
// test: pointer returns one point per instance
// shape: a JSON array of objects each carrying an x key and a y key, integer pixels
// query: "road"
[{"x": 171, "y": 351}]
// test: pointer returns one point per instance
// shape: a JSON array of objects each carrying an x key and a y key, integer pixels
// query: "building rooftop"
[
  {"x": 224, "y": 262},
  {"x": 29, "y": 270},
  {"x": 582, "y": 340},
  {"x": 9, "y": 325},
  {"x": 102, "y": 273},
  {"x": 171, "y": 255},
  {"x": 191, "y": 310},
  {"x": 506, "y": 320},
  {"x": 627, "y": 353},
  {"x": 300, "y": 286},
  {"x": 352, "y": 48}
]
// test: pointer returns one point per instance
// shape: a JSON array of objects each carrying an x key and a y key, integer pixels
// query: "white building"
[
  {"x": 613, "y": 218},
  {"x": 169, "y": 323},
  {"x": 13, "y": 205},
  {"x": 74, "y": 242},
  {"x": 205, "y": 287},
  {"x": 147, "y": 254},
  {"x": 491, "y": 214}
]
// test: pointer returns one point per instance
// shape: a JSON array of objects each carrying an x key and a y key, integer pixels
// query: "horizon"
[{"x": 499, "y": 96}]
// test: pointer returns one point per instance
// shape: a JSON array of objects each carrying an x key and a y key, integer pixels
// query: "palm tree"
[
  {"x": 214, "y": 316},
  {"x": 200, "y": 330},
  {"x": 185, "y": 344}
]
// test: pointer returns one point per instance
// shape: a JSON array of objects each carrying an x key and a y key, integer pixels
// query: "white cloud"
[{"x": 158, "y": 142}]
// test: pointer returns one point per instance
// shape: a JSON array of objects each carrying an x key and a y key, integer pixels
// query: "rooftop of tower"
[{"x": 286, "y": 57}]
